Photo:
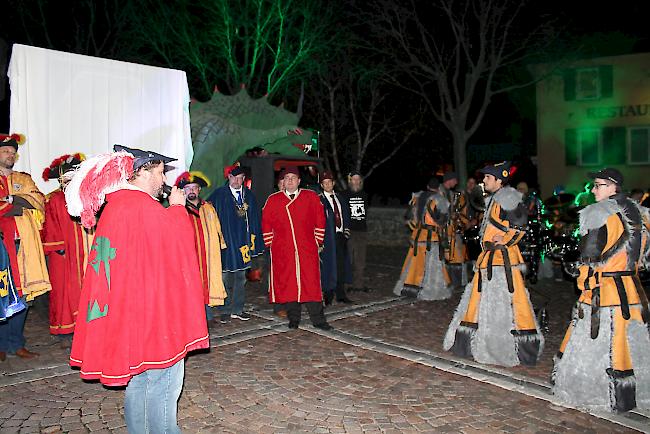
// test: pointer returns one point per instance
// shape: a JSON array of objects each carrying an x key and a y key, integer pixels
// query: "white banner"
[{"x": 66, "y": 103}]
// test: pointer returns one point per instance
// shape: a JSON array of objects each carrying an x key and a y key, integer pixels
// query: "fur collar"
[
  {"x": 441, "y": 202},
  {"x": 508, "y": 198},
  {"x": 595, "y": 215}
]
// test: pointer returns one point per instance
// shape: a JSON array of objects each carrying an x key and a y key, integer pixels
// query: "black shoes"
[
  {"x": 293, "y": 325},
  {"x": 324, "y": 326},
  {"x": 343, "y": 300}
]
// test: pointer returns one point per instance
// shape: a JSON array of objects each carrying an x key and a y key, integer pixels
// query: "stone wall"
[{"x": 386, "y": 226}]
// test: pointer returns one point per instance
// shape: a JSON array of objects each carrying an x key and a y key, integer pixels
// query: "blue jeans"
[
  {"x": 151, "y": 400},
  {"x": 235, "y": 283},
  {"x": 209, "y": 313},
  {"x": 11, "y": 332}
]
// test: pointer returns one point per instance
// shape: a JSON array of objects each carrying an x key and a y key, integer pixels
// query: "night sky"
[{"x": 510, "y": 118}]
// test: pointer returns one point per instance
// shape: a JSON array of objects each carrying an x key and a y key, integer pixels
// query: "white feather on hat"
[{"x": 93, "y": 179}]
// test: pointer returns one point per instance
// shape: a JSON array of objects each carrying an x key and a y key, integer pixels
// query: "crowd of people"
[
  {"x": 603, "y": 362},
  {"x": 136, "y": 283}
]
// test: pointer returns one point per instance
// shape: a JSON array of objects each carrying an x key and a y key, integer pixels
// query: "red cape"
[
  {"x": 141, "y": 304},
  {"x": 60, "y": 232}
]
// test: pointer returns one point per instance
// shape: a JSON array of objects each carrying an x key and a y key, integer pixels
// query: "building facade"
[{"x": 590, "y": 114}]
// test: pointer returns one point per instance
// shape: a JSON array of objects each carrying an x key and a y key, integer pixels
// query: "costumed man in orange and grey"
[
  {"x": 141, "y": 308},
  {"x": 66, "y": 244},
  {"x": 604, "y": 360},
  {"x": 424, "y": 270},
  {"x": 455, "y": 248},
  {"x": 495, "y": 322},
  {"x": 21, "y": 219},
  {"x": 293, "y": 226},
  {"x": 239, "y": 214},
  {"x": 474, "y": 197},
  {"x": 208, "y": 238}
]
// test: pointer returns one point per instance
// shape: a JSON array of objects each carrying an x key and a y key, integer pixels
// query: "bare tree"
[
  {"x": 454, "y": 54},
  {"x": 361, "y": 124}
]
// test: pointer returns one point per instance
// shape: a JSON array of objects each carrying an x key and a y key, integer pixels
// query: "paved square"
[{"x": 381, "y": 370}]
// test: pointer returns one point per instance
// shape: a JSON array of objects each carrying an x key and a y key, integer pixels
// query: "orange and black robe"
[
  {"x": 427, "y": 226},
  {"x": 614, "y": 241},
  {"x": 502, "y": 228}
]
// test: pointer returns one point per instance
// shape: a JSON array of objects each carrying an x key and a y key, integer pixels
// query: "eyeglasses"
[{"x": 597, "y": 185}]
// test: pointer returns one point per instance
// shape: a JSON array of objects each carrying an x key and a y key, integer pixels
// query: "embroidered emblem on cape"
[
  {"x": 95, "y": 312},
  {"x": 4, "y": 283},
  {"x": 246, "y": 250},
  {"x": 105, "y": 253},
  {"x": 245, "y": 254}
]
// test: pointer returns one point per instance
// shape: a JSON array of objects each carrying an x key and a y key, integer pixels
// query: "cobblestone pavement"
[{"x": 381, "y": 370}]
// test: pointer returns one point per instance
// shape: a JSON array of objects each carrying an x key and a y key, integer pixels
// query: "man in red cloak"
[
  {"x": 66, "y": 244},
  {"x": 141, "y": 307},
  {"x": 293, "y": 226}
]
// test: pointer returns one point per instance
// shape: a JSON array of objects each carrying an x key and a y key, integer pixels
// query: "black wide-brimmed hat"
[
  {"x": 143, "y": 157},
  {"x": 193, "y": 177},
  {"x": 499, "y": 171}
]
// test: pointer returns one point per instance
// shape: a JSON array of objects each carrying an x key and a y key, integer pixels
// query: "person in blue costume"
[
  {"x": 333, "y": 257},
  {"x": 240, "y": 223}
]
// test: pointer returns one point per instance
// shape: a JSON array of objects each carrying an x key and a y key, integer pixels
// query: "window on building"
[
  {"x": 589, "y": 147},
  {"x": 639, "y": 145},
  {"x": 588, "y": 84}
]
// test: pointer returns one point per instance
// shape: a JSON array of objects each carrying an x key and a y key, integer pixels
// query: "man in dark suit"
[{"x": 337, "y": 232}]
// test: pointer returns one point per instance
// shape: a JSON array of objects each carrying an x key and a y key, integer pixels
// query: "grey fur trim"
[
  {"x": 521, "y": 267},
  {"x": 582, "y": 378},
  {"x": 595, "y": 215},
  {"x": 459, "y": 313},
  {"x": 441, "y": 203},
  {"x": 623, "y": 243},
  {"x": 556, "y": 359},
  {"x": 508, "y": 198},
  {"x": 485, "y": 219},
  {"x": 644, "y": 259},
  {"x": 528, "y": 348},
  {"x": 463, "y": 342},
  {"x": 434, "y": 286},
  {"x": 622, "y": 391},
  {"x": 645, "y": 212}
]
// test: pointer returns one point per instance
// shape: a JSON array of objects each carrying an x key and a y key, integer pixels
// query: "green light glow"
[{"x": 576, "y": 233}]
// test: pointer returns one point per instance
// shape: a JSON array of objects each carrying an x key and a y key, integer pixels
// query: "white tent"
[{"x": 65, "y": 103}]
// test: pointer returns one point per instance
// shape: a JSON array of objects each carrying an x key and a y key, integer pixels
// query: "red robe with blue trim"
[{"x": 141, "y": 304}]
